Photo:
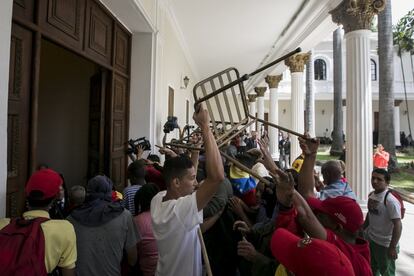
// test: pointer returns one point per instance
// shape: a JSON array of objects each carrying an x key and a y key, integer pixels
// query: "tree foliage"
[{"x": 403, "y": 33}]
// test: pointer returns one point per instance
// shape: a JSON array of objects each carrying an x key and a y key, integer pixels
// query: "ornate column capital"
[
  {"x": 273, "y": 81},
  {"x": 296, "y": 63},
  {"x": 356, "y": 14},
  {"x": 251, "y": 97},
  {"x": 260, "y": 90}
]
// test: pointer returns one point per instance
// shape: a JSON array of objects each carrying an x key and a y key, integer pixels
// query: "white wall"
[
  {"x": 64, "y": 112},
  {"x": 5, "y": 33},
  {"x": 141, "y": 99},
  {"x": 172, "y": 66},
  {"x": 403, "y": 117},
  {"x": 324, "y": 121}
]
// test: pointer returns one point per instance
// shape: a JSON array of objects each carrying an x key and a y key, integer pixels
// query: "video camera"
[
  {"x": 133, "y": 145},
  {"x": 171, "y": 124}
]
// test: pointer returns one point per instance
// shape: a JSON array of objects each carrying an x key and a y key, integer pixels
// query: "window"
[
  {"x": 373, "y": 70},
  {"x": 170, "y": 101},
  {"x": 320, "y": 69}
]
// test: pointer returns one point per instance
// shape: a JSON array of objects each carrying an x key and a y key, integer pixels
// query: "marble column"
[
  {"x": 356, "y": 18},
  {"x": 273, "y": 82},
  {"x": 344, "y": 117},
  {"x": 296, "y": 64},
  {"x": 397, "y": 128},
  {"x": 310, "y": 98},
  {"x": 252, "y": 109},
  {"x": 260, "y": 91}
]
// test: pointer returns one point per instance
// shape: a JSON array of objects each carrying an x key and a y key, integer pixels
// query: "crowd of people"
[{"x": 281, "y": 221}]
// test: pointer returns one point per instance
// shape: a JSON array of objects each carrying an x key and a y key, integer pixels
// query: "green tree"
[{"x": 403, "y": 35}]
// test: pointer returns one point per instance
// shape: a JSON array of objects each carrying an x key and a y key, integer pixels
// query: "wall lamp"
[
  {"x": 323, "y": 111},
  {"x": 284, "y": 110},
  {"x": 186, "y": 81}
]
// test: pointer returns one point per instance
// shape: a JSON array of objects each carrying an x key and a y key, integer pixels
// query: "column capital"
[
  {"x": 397, "y": 102},
  {"x": 251, "y": 97},
  {"x": 273, "y": 81},
  {"x": 356, "y": 14},
  {"x": 296, "y": 63},
  {"x": 260, "y": 90}
]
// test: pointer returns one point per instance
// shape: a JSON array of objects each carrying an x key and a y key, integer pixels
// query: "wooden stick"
[{"x": 204, "y": 252}]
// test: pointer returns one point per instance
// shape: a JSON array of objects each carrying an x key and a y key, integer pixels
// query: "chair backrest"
[{"x": 228, "y": 109}]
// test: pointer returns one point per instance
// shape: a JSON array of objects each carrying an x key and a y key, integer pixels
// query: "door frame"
[{"x": 44, "y": 20}]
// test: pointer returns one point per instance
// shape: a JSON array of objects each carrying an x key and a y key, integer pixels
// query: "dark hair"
[
  {"x": 36, "y": 200},
  {"x": 175, "y": 168},
  {"x": 153, "y": 158},
  {"x": 385, "y": 173},
  {"x": 246, "y": 159},
  {"x": 144, "y": 196},
  {"x": 136, "y": 170}
]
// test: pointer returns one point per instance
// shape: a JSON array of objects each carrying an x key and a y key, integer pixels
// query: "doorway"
[
  {"x": 50, "y": 112},
  {"x": 63, "y": 112}
]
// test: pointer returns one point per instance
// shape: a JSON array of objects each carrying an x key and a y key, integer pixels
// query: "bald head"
[{"x": 331, "y": 171}]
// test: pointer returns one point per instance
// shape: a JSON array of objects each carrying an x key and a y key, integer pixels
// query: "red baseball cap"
[
  {"x": 46, "y": 181},
  {"x": 344, "y": 210},
  {"x": 309, "y": 256}
]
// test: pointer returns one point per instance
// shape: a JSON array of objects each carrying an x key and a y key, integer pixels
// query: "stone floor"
[{"x": 405, "y": 261}]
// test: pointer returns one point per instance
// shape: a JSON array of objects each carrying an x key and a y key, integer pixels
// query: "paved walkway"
[{"x": 405, "y": 261}]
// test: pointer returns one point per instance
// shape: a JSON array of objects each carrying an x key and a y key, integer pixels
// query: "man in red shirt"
[{"x": 381, "y": 158}]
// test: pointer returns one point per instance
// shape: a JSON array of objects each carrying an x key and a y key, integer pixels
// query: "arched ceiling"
[{"x": 247, "y": 34}]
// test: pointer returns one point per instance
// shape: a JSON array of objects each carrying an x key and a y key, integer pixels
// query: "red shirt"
[
  {"x": 381, "y": 159},
  {"x": 357, "y": 253},
  {"x": 287, "y": 220}
]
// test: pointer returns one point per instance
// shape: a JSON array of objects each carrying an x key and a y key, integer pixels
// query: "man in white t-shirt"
[
  {"x": 383, "y": 224},
  {"x": 177, "y": 212}
]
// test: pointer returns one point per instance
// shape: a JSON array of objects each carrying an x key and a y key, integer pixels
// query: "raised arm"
[
  {"x": 214, "y": 164},
  {"x": 307, "y": 218},
  {"x": 306, "y": 179}
]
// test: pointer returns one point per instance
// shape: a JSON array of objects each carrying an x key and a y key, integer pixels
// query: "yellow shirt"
[{"x": 60, "y": 240}]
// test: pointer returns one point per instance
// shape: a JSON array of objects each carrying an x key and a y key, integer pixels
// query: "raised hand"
[
  {"x": 285, "y": 187},
  {"x": 246, "y": 250},
  {"x": 267, "y": 157},
  {"x": 201, "y": 117},
  {"x": 167, "y": 151},
  {"x": 309, "y": 146},
  {"x": 242, "y": 227}
]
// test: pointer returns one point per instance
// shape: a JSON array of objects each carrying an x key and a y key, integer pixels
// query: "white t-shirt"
[
  {"x": 380, "y": 217},
  {"x": 175, "y": 224}
]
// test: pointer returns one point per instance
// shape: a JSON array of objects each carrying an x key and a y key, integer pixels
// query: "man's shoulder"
[
  {"x": 4, "y": 222},
  {"x": 61, "y": 225}
]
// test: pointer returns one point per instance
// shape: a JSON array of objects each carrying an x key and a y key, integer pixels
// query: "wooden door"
[
  {"x": 18, "y": 117},
  {"x": 118, "y": 130},
  {"x": 98, "y": 86}
]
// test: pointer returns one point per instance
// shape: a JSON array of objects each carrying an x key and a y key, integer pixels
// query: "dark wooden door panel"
[
  {"x": 118, "y": 130},
  {"x": 64, "y": 20},
  {"x": 18, "y": 117},
  {"x": 24, "y": 9},
  {"x": 122, "y": 49},
  {"x": 97, "y": 124},
  {"x": 98, "y": 33}
]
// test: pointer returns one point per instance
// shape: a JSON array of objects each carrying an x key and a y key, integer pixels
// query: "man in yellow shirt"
[{"x": 59, "y": 235}]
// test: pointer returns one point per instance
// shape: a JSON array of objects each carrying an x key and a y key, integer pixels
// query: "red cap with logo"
[
  {"x": 46, "y": 181},
  {"x": 344, "y": 210},
  {"x": 309, "y": 256}
]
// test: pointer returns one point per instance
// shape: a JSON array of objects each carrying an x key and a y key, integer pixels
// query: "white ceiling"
[{"x": 247, "y": 34}]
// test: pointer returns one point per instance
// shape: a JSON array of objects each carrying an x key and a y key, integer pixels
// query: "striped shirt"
[{"x": 129, "y": 195}]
